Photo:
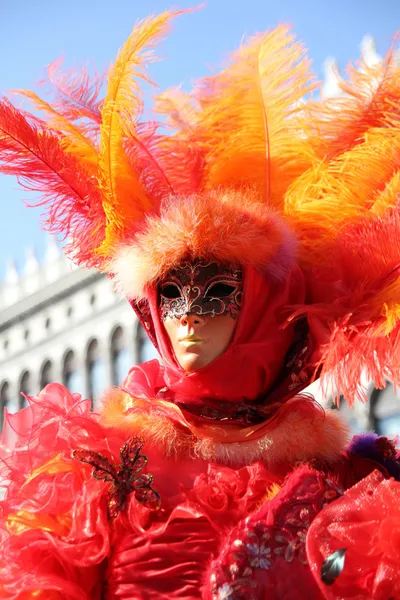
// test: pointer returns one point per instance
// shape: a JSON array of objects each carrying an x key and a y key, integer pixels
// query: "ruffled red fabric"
[
  {"x": 165, "y": 555},
  {"x": 365, "y": 522},
  {"x": 56, "y": 537},
  {"x": 53, "y": 519},
  {"x": 55, "y": 534}
]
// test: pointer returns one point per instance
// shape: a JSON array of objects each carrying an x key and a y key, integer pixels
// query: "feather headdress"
[{"x": 246, "y": 168}]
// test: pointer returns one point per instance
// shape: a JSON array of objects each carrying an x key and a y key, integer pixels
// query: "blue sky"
[{"x": 32, "y": 34}]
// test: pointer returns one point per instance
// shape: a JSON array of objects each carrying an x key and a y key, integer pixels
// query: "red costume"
[{"x": 225, "y": 482}]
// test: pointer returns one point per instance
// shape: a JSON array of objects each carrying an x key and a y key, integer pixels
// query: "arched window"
[
  {"x": 120, "y": 357},
  {"x": 4, "y": 400},
  {"x": 72, "y": 377},
  {"x": 46, "y": 374},
  {"x": 95, "y": 372},
  {"x": 24, "y": 388},
  {"x": 385, "y": 409},
  {"x": 146, "y": 350}
]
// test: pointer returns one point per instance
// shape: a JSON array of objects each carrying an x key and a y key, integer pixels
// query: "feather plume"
[
  {"x": 183, "y": 156},
  {"x": 245, "y": 154},
  {"x": 368, "y": 256},
  {"x": 125, "y": 199},
  {"x": 75, "y": 94},
  {"x": 331, "y": 195},
  {"x": 371, "y": 97},
  {"x": 75, "y": 139},
  {"x": 363, "y": 309},
  {"x": 358, "y": 353},
  {"x": 34, "y": 154},
  {"x": 249, "y": 112}
]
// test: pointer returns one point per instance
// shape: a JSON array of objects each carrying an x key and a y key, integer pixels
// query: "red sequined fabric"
[
  {"x": 365, "y": 522},
  {"x": 265, "y": 556}
]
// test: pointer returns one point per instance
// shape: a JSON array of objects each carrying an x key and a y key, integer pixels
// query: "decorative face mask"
[{"x": 201, "y": 288}]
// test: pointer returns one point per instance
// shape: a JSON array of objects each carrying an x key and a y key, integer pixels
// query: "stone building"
[{"x": 60, "y": 323}]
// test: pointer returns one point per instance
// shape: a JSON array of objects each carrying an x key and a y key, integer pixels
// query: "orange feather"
[
  {"x": 125, "y": 199},
  {"x": 249, "y": 117},
  {"x": 371, "y": 96}
]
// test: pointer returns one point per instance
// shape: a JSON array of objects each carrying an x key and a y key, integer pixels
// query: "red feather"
[
  {"x": 142, "y": 146},
  {"x": 34, "y": 154},
  {"x": 75, "y": 95},
  {"x": 165, "y": 164}
]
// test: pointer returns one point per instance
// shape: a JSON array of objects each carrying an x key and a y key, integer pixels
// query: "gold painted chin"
[{"x": 191, "y": 343}]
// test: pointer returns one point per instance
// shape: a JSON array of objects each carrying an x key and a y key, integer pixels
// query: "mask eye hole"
[
  {"x": 170, "y": 291},
  {"x": 220, "y": 290}
]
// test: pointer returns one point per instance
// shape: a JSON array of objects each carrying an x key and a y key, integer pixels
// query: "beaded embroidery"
[{"x": 125, "y": 478}]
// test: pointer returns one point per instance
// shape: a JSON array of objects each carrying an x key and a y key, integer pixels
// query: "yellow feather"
[
  {"x": 125, "y": 200},
  {"x": 360, "y": 183}
]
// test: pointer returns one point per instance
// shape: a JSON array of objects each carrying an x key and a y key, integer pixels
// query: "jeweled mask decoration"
[{"x": 201, "y": 287}]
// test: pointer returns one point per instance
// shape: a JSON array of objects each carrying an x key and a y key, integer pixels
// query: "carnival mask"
[
  {"x": 199, "y": 302},
  {"x": 201, "y": 288}
]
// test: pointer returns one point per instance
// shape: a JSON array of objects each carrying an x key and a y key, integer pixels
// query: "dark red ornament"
[{"x": 125, "y": 478}]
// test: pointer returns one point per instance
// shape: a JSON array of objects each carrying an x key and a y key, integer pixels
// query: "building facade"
[{"x": 60, "y": 323}]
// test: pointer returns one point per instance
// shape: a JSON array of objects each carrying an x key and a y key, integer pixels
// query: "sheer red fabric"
[{"x": 365, "y": 522}]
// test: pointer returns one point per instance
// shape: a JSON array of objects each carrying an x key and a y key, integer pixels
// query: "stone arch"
[
  {"x": 120, "y": 355},
  {"x": 71, "y": 373},
  {"x": 24, "y": 387},
  {"x": 144, "y": 348},
  {"x": 95, "y": 370},
  {"x": 4, "y": 399},
  {"x": 46, "y": 373}
]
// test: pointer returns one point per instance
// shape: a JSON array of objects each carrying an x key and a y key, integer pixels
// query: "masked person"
[{"x": 257, "y": 242}]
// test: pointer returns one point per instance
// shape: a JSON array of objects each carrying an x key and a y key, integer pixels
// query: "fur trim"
[
  {"x": 130, "y": 415},
  {"x": 322, "y": 436},
  {"x": 294, "y": 440},
  {"x": 229, "y": 226}
]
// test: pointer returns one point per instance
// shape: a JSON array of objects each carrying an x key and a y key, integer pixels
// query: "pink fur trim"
[
  {"x": 294, "y": 440},
  {"x": 228, "y": 226},
  {"x": 320, "y": 435}
]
